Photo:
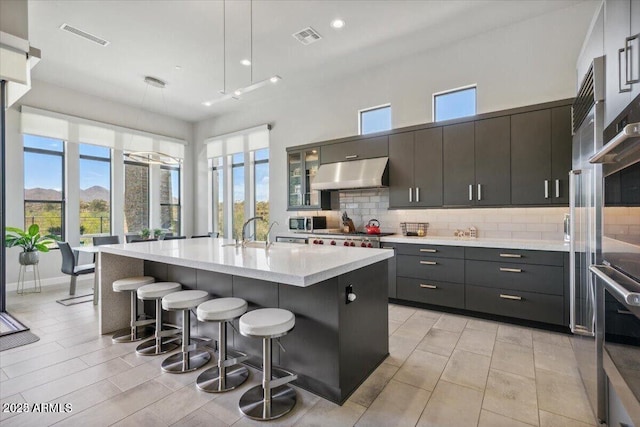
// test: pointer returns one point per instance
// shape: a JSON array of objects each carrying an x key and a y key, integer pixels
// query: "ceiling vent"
[
  {"x": 307, "y": 36},
  {"x": 84, "y": 34}
]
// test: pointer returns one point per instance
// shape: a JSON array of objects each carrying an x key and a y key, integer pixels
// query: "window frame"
[
  {"x": 369, "y": 109},
  {"x": 452, "y": 91},
  {"x": 255, "y": 176},
  {"x": 124, "y": 187},
  {"x": 63, "y": 196},
  {"x": 177, "y": 168},
  {"x": 108, "y": 160}
]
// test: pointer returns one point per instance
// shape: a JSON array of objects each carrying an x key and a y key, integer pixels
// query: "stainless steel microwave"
[{"x": 307, "y": 223}]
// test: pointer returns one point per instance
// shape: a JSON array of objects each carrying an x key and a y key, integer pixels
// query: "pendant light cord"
[
  {"x": 224, "y": 46},
  {"x": 251, "y": 40}
]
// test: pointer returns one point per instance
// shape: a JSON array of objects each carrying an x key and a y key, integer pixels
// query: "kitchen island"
[{"x": 335, "y": 344}]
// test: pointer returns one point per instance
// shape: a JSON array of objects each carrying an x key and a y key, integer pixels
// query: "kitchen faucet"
[
  {"x": 244, "y": 229},
  {"x": 269, "y": 242}
]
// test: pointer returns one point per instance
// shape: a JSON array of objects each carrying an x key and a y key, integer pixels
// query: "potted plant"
[
  {"x": 145, "y": 233},
  {"x": 158, "y": 233},
  {"x": 31, "y": 242}
]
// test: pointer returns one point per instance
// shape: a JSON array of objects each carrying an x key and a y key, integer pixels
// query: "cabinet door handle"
[
  {"x": 620, "y": 88},
  {"x": 546, "y": 188},
  {"x": 387, "y": 247},
  {"x": 417, "y": 194},
  {"x": 425, "y": 286},
  {"x": 511, "y": 270},
  {"x": 428, "y": 262},
  {"x": 428, "y": 250},
  {"x": 479, "y": 192},
  {"x": 511, "y": 297},
  {"x": 629, "y": 68},
  {"x": 410, "y": 194},
  {"x": 470, "y": 191},
  {"x": 557, "y": 188},
  {"x": 351, "y": 156},
  {"x": 510, "y": 256}
]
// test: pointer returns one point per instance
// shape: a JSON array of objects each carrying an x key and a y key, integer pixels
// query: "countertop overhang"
[{"x": 286, "y": 263}]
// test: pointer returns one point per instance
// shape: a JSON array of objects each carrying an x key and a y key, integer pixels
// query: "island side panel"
[
  {"x": 312, "y": 349},
  {"x": 115, "y": 307},
  {"x": 364, "y": 324}
]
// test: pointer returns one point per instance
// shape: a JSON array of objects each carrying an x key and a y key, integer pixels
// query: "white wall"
[
  {"x": 54, "y": 98},
  {"x": 526, "y": 63}
]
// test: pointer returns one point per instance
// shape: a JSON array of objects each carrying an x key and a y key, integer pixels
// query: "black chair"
[
  {"x": 138, "y": 239},
  {"x": 174, "y": 237},
  {"x": 70, "y": 267},
  {"x": 106, "y": 240},
  {"x": 211, "y": 234}
]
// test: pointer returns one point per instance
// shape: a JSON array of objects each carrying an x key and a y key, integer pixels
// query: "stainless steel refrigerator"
[{"x": 586, "y": 198}]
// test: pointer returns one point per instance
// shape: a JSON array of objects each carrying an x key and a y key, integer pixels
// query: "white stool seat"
[
  {"x": 267, "y": 322},
  {"x": 220, "y": 309},
  {"x": 158, "y": 290},
  {"x": 132, "y": 283},
  {"x": 184, "y": 300}
]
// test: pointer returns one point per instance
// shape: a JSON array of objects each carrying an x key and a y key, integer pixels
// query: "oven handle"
[{"x": 630, "y": 298}]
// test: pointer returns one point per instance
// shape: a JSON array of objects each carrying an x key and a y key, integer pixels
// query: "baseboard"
[{"x": 51, "y": 282}]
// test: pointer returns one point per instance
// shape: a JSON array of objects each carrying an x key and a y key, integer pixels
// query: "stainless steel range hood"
[{"x": 366, "y": 173}]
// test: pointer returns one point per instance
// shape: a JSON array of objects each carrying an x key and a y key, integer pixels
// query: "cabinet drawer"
[
  {"x": 432, "y": 251},
  {"x": 522, "y": 305},
  {"x": 521, "y": 277},
  {"x": 431, "y": 292},
  {"x": 518, "y": 256},
  {"x": 355, "y": 150},
  {"x": 445, "y": 269}
]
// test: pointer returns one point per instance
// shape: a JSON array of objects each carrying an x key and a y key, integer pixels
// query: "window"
[
  {"x": 95, "y": 192},
  {"x": 237, "y": 185},
  {"x": 455, "y": 103},
  {"x": 261, "y": 185},
  {"x": 170, "y": 198},
  {"x": 218, "y": 195},
  {"x": 376, "y": 119},
  {"x": 44, "y": 184},
  {"x": 136, "y": 196}
]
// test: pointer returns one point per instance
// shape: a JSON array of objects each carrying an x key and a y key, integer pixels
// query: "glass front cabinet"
[{"x": 303, "y": 166}]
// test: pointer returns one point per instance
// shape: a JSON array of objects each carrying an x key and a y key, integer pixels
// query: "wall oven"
[{"x": 618, "y": 275}]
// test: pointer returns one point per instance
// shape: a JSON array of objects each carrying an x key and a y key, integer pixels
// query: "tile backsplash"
[{"x": 533, "y": 223}]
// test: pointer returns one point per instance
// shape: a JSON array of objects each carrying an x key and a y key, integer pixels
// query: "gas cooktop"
[{"x": 355, "y": 234}]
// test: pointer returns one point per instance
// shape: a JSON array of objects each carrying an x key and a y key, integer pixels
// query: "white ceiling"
[{"x": 149, "y": 38}]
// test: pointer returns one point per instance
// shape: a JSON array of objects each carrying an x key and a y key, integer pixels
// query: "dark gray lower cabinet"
[
  {"x": 523, "y": 284},
  {"x": 519, "y": 304},
  {"x": 431, "y": 292}
]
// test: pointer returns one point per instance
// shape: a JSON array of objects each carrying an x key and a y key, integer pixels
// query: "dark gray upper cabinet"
[
  {"x": 561, "y": 143},
  {"x": 541, "y": 157},
  {"x": 415, "y": 169},
  {"x": 358, "y": 149},
  {"x": 458, "y": 143},
  {"x": 531, "y": 158},
  {"x": 493, "y": 161}
]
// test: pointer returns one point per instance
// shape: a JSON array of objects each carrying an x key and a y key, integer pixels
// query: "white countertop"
[
  {"x": 538, "y": 245},
  {"x": 287, "y": 263},
  {"x": 481, "y": 242}
]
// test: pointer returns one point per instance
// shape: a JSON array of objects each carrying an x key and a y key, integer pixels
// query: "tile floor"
[{"x": 443, "y": 370}]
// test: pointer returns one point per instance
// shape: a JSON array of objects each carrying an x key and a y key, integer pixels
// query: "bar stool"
[
  {"x": 190, "y": 358},
  {"x": 135, "y": 332},
  {"x": 157, "y": 345},
  {"x": 228, "y": 374},
  {"x": 273, "y": 398}
]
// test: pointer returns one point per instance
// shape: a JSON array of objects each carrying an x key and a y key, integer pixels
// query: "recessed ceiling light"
[
  {"x": 337, "y": 23},
  {"x": 178, "y": 67},
  {"x": 237, "y": 93},
  {"x": 274, "y": 79},
  {"x": 245, "y": 62},
  {"x": 207, "y": 104}
]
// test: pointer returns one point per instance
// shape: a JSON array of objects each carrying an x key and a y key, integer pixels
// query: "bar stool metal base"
[
  {"x": 126, "y": 335},
  {"x": 211, "y": 381},
  {"x": 151, "y": 348},
  {"x": 180, "y": 363},
  {"x": 253, "y": 405}
]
